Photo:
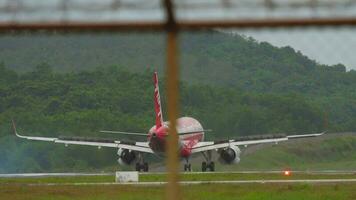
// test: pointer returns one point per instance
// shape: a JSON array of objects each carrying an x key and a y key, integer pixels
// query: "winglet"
[
  {"x": 30, "y": 137},
  {"x": 14, "y": 127}
]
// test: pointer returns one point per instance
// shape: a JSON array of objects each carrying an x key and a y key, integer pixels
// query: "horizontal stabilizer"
[
  {"x": 191, "y": 132},
  {"x": 125, "y": 133}
]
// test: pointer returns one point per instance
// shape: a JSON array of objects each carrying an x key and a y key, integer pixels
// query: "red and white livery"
[{"x": 191, "y": 140}]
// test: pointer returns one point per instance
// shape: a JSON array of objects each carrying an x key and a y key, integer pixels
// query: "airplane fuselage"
[{"x": 157, "y": 137}]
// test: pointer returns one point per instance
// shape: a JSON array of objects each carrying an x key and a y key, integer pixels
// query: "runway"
[
  {"x": 19, "y": 175},
  {"x": 237, "y": 182},
  {"x": 23, "y": 175},
  {"x": 258, "y": 179}
]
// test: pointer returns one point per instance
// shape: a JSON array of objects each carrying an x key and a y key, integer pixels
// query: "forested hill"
[
  {"x": 79, "y": 104},
  {"x": 233, "y": 85},
  {"x": 210, "y": 58},
  {"x": 114, "y": 98}
]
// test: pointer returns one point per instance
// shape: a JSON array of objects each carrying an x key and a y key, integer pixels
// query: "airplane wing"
[
  {"x": 245, "y": 141},
  {"x": 135, "y": 146}
]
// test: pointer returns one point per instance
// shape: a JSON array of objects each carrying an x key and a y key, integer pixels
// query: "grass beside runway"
[
  {"x": 19, "y": 188},
  {"x": 244, "y": 176},
  {"x": 183, "y": 177},
  {"x": 191, "y": 192}
]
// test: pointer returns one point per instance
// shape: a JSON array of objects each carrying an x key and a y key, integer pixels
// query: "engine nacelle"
[
  {"x": 230, "y": 155},
  {"x": 126, "y": 157}
]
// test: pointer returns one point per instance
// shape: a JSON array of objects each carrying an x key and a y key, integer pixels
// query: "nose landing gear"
[{"x": 187, "y": 166}]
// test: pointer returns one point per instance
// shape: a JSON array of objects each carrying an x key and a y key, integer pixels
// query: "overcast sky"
[{"x": 326, "y": 46}]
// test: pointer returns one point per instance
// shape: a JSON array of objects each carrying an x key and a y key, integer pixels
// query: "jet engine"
[
  {"x": 126, "y": 157},
  {"x": 230, "y": 155}
]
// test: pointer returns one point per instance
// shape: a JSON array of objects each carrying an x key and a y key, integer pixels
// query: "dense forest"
[{"x": 232, "y": 84}]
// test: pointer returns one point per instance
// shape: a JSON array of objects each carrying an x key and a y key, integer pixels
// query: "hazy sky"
[
  {"x": 325, "y": 45},
  {"x": 147, "y": 10}
]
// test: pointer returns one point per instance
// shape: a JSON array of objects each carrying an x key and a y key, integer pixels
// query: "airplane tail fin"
[{"x": 157, "y": 101}]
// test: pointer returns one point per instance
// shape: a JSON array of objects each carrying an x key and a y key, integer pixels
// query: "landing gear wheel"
[
  {"x": 212, "y": 166},
  {"x": 208, "y": 164},
  {"x": 138, "y": 167},
  {"x": 145, "y": 167},
  {"x": 203, "y": 166}
]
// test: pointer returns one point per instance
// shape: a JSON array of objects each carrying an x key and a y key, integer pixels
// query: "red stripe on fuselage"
[{"x": 189, "y": 141}]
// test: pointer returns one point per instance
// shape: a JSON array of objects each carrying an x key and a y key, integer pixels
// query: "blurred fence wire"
[
  {"x": 20, "y": 11},
  {"x": 176, "y": 15}
]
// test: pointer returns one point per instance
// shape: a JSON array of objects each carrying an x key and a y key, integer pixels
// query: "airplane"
[{"x": 190, "y": 137}]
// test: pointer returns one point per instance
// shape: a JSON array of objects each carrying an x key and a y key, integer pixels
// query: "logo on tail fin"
[{"x": 157, "y": 99}]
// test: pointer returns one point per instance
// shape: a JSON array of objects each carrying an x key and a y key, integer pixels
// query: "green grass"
[
  {"x": 18, "y": 188},
  {"x": 330, "y": 153},
  {"x": 194, "y": 192},
  {"x": 240, "y": 176}
]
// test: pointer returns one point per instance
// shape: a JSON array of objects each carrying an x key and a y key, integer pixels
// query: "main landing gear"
[
  {"x": 205, "y": 166},
  {"x": 141, "y": 165},
  {"x": 208, "y": 165}
]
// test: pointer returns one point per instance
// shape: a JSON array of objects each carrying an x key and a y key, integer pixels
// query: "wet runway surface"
[
  {"x": 311, "y": 181},
  {"x": 221, "y": 172},
  {"x": 22, "y": 175},
  {"x": 157, "y": 183}
]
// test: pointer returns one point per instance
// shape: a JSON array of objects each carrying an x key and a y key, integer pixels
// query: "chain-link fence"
[{"x": 247, "y": 67}]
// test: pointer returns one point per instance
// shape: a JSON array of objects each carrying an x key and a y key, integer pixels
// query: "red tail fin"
[{"x": 157, "y": 99}]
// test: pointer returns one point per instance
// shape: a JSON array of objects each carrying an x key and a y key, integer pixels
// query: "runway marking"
[
  {"x": 53, "y": 175},
  {"x": 268, "y": 172},
  {"x": 312, "y": 181}
]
